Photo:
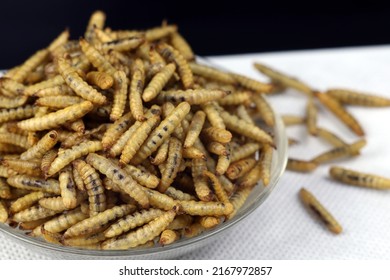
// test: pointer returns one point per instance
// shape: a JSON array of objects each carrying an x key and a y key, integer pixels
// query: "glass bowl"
[{"x": 180, "y": 247}]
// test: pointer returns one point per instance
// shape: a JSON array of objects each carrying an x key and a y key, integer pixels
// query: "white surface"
[{"x": 281, "y": 228}]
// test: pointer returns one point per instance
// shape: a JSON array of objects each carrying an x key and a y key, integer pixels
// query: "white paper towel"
[{"x": 281, "y": 228}]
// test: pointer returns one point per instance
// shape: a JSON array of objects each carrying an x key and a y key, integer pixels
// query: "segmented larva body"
[
  {"x": 143, "y": 234},
  {"x": 34, "y": 213},
  {"x": 172, "y": 166},
  {"x": 212, "y": 73},
  {"x": 34, "y": 184},
  {"x": 313, "y": 204},
  {"x": 57, "y": 118},
  {"x": 41, "y": 147},
  {"x": 162, "y": 132},
  {"x": 284, "y": 79},
  {"x": 158, "y": 82},
  {"x": 358, "y": 98},
  {"x": 65, "y": 221},
  {"x": 301, "y": 165},
  {"x": 192, "y": 96},
  {"x": 195, "y": 128},
  {"x": 26, "y": 201},
  {"x": 340, "y": 112},
  {"x": 357, "y": 178},
  {"x": 172, "y": 55},
  {"x": 95, "y": 223},
  {"x": 132, "y": 221},
  {"x": 120, "y": 177},
  {"x": 120, "y": 95},
  {"x": 136, "y": 89},
  {"x": 69, "y": 155},
  {"x": 94, "y": 186}
]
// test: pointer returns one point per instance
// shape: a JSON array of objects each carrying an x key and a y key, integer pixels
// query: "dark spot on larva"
[
  {"x": 319, "y": 214},
  {"x": 172, "y": 98},
  {"x": 93, "y": 183},
  {"x": 155, "y": 111},
  {"x": 182, "y": 99},
  {"x": 69, "y": 186},
  {"x": 115, "y": 171},
  {"x": 160, "y": 136},
  {"x": 154, "y": 142},
  {"x": 165, "y": 128},
  {"x": 353, "y": 177},
  {"x": 120, "y": 176},
  {"x": 140, "y": 85}
]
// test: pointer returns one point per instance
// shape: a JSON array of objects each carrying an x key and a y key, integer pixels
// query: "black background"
[{"x": 211, "y": 27}]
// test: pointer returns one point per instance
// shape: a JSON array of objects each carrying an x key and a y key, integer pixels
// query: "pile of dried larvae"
[{"x": 121, "y": 139}]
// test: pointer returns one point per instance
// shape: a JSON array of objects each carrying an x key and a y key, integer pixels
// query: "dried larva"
[
  {"x": 26, "y": 182},
  {"x": 192, "y": 96},
  {"x": 201, "y": 187},
  {"x": 96, "y": 58},
  {"x": 172, "y": 165},
  {"x": 120, "y": 95},
  {"x": 3, "y": 212},
  {"x": 95, "y": 223},
  {"x": 136, "y": 89},
  {"x": 5, "y": 191},
  {"x": 168, "y": 236},
  {"x": 94, "y": 186},
  {"x": 70, "y": 155},
  {"x": 142, "y": 176},
  {"x": 284, "y": 79},
  {"x": 57, "y": 118},
  {"x": 158, "y": 82},
  {"x": 340, "y": 152},
  {"x": 301, "y": 165},
  {"x": 217, "y": 186},
  {"x": 19, "y": 113},
  {"x": 352, "y": 97},
  {"x": 80, "y": 87},
  {"x": 172, "y": 55},
  {"x": 143, "y": 234},
  {"x": 31, "y": 167},
  {"x": 212, "y": 73},
  {"x": 41, "y": 147},
  {"x": 33, "y": 213},
  {"x": 330, "y": 137},
  {"x": 340, "y": 112},
  {"x": 30, "y": 64},
  {"x": 120, "y": 177},
  {"x": 238, "y": 199},
  {"x": 239, "y": 168},
  {"x": 240, "y": 126},
  {"x": 245, "y": 151},
  {"x": 132, "y": 221},
  {"x": 217, "y": 134},
  {"x": 315, "y": 206},
  {"x": 97, "y": 20},
  {"x": 65, "y": 221},
  {"x": 162, "y": 132},
  {"x": 264, "y": 109},
  {"x": 352, "y": 177},
  {"x": 138, "y": 138},
  {"x": 26, "y": 201}
]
